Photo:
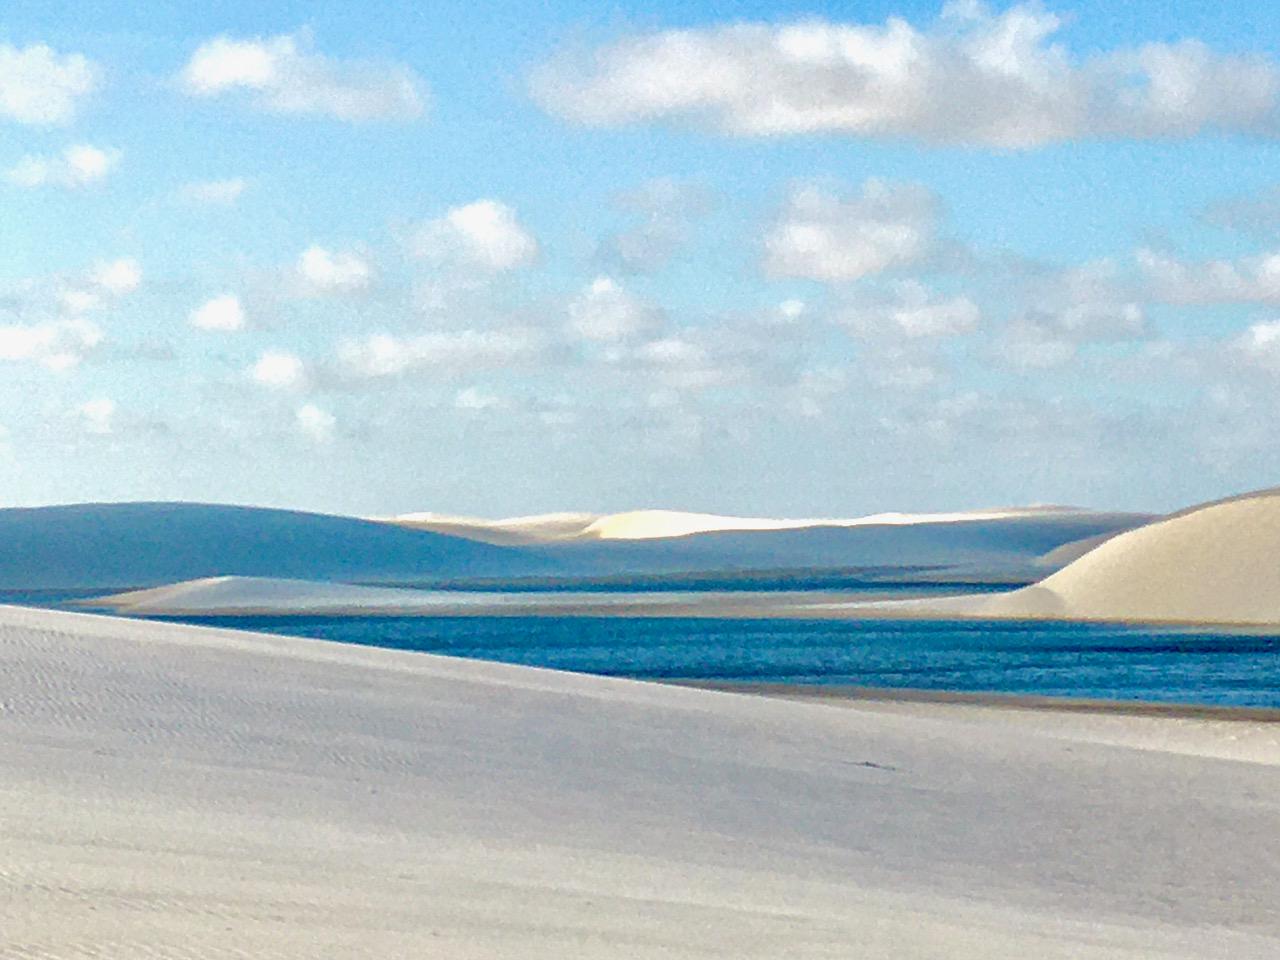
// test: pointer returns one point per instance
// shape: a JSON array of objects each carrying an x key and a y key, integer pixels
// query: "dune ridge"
[
  {"x": 656, "y": 524},
  {"x": 1216, "y": 563},
  {"x": 135, "y": 544},
  {"x": 126, "y": 545}
]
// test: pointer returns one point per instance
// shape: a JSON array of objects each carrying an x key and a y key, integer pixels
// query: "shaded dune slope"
[
  {"x": 1014, "y": 541},
  {"x": 137, "y": 544}
]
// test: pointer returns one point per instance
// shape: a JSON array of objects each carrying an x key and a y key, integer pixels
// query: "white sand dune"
[
  {"x": 176, "y": 792},
  {"x": 511, "y": 531},
  {"x": 1000, "y": 544},
  {"x": 231, "y": 595},
  {"x": 1214, "y": 564},
  {"x": 133, "y": 544},
  {"x": 662, "y": 524},
  {"x": 264, "y": 596}
]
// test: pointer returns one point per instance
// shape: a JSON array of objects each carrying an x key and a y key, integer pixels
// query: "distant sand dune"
[
  {"x": 263, "y": 596},
  {"x": 662, "y": 524},
  {"x": 133, "y": 544},
  {"x": 1214, "y": 564}
]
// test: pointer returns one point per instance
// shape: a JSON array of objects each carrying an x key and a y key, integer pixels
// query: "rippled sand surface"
[{"x": 171, "y": 791}]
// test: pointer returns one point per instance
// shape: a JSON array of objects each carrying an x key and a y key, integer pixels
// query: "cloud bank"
[{"x": 973, "y": 78}]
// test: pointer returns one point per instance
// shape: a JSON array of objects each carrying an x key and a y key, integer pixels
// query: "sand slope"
[
  {"x": 177, "y": 792},
  {"x": 265, "y": 596},
  {"x": 143, "y": 544},
  {"x": 1012, "y": 544},
  {"x": 134, "y": 544},
  {"x": 1214, "y": 564},
  {"x": 654, "y": 524}
]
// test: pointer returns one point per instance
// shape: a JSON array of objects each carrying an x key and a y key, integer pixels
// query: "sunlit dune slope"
[{"x": 1216, "y": 563}]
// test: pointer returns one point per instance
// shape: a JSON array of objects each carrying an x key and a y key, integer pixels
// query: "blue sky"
[{"x": 753, "y": 258}]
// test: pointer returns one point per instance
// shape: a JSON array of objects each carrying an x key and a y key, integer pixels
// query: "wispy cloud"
[
  {"x": 445, "y": 353},
  {"x": 77, "y": 166},
  {"x": 823, "y": 235},
  {"x": 283, "y": 74},
  {"x": 214, "y": 193}
]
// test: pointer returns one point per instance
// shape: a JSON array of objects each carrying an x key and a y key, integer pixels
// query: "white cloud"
[
  {"x": 820, "y": 236},
  {"x": 77, "y": 166},
  {"x": 1253, "y": 279},
  {"x": 286, "y": 76},
  {"x": 1029, "y": 344},
  {"x": 107, "y": 280},
  {"x": 484, "y": 234},
  {"x": 323, "y": 271},
  {"x": 1100, "y": 322},
  {"x": 56, "y": 345},
  {"x": 605, "y": 311},
  {"x": 1090, "y": 303},
  {"x": 976, "y": 77},
  {"x": 223, "y": 313},
  {"x": 477, "y": 400},
  {"x": 681, "y": 364},
  {"x": 792, "y": 309},
  {"x": 78, "y": 301},
  {"x": 383, "y": 355},
  {"x": 1260, "y": 345},
  {"x": 118, "y": 276},
  {"x": 900, "y": 369},
  {"x": 214, "y": 193},
  {"x": 669, "y": 209},
  {"x": 97, "y": 415},
  {"x": 910, "y": 309},
  {"x": 317, "y": 424},
  {"x": 39, "y": 86},
  {"x": 1038, "y": 340},
  {"x": 279, "y": 370}
]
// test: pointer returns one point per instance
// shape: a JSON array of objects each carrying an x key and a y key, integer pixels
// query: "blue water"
[{"x": 1073, "y": 660}]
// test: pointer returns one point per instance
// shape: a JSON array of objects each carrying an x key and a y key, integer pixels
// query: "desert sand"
[
  {"x": 1218, "y": 563},
  {"x": 181, "y": 792},
  {"x": 129, "y": 545},
  {"x": 267, "y": 596},
  {"x": 653, "y": 524}
]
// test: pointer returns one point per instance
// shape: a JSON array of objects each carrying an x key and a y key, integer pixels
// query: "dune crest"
[
  {"x": 1218, "y": 563},
  {"x": 656, "y": 524}
]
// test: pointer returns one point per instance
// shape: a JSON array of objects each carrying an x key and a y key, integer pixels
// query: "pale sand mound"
[
  {"x": 539, "y": 528},
  {"x": 176, "y": 792},
  {"x": 665, "y": 524},
  {"x": 265, "y": 596},
  {"x": 232, "y": 595},
  {"x": 1214, "y": 564}
]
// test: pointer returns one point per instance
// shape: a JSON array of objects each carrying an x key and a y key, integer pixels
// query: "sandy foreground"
[{"x": 170, "y": 791}]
